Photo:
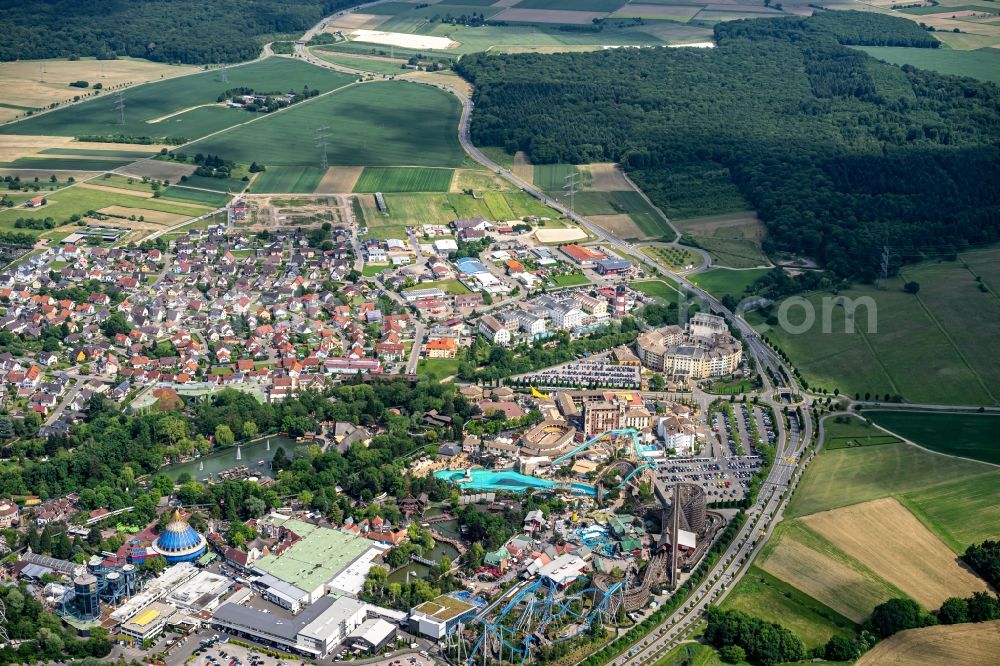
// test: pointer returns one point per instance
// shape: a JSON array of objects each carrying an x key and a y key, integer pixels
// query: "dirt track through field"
[
  {"x": 887, "y": 538},
  {"x": 973, "y": 644}
]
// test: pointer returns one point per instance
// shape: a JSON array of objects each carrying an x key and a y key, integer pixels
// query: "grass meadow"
[
  {"x": 762, "y": 595},
  {"x": 849, "y": 431},
  {"x": 404, "y": 179},
  {"x": 389, "y": 123},
  {"x": 847, "y": 476},
  {"x": 982, "y": 64},
  {"x": 78, "y": 200},
  {"x": 214, "y": 199},
  {"x": 727, "y": 282},
  {"x": 967, "y": 435},
  {"x": 289, "y": 179},
  {"x": 152, "y": 101},
  {"x": 922, "y": 346},
  {"x": 657, "y": 289},
  {"x": 409, "y": 209},
  {"x": 361, "y": 63}
]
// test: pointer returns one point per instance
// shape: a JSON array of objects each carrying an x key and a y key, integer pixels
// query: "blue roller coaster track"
[{"x": 520, "y": 625}]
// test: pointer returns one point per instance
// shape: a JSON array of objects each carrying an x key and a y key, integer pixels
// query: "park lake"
[{"x": 211, "y": 465}]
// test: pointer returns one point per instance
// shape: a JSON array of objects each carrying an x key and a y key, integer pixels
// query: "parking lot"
[
  {"x": 722, "y": 478},
  {"x": 587, "y": 373}
]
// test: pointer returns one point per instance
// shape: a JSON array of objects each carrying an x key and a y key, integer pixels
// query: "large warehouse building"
[{"x": 319, "y": 560}]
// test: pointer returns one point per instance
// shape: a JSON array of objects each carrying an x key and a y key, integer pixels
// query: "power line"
[
  {"x": 570, "y": 187},
  {"x": 119, "y": 106},
  {"x": 322, "y": 138},
  {"x": 224, "y": 73}
]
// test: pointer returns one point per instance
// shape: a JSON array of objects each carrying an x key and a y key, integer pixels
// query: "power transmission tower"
[
  {"x": 570, "y": 187},
  {"x": 224, "y": 73},
  {"x": 322, "y": 138},
  {"x": 884, "y": 273},
  {"x": 41, "y": 71},
  {"x": 120, "y": 107}
]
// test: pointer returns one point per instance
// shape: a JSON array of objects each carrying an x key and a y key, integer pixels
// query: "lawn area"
[
  {"x": 762, "y": 595},
  {"x": 78, "y": 200},
  {"x": 404, "y": 179},
  {"x": 450, "y": 287},
  {"x": 387, "y": 123},
  {"x": 289, "y": 179},
  {"x": 982, "y": 64},
  {"x": 437, "y": 368},
  {"x": 722, "y": 282},
  {"x": 213, "y": 199},
  {"x": 849, "y": 431},
  {"x": 920, "y": 347},
  {"x": 157, "y": 99},
  {"x": 570, "y": 280},
  {"x": 384, "y": 232},
  {"x": 848, "y": 476},
  {"x": 967, "y": 435},
  {"x": 371, "y": 270},
  {"x": 657, "y": 289}
]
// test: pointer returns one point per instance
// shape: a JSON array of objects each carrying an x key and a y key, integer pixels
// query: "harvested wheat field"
[
  {"x": 149, "y": 216},
  {"x": 355, "y": 20},
  {"x": 339, "y": 180},
  {"x": 38, "y": 83},
  {"x": 805, "y": 561},
  {"x": 559, "y": 235},
  {"x": 888, "y": 539},
  {"x": 522, "y": 167},
  {"x": 117, "y": 190},
  {"x": 157, "y": 170},
  {"x": 973, "y": 644},
  {"x": 605, "y": 177},
  {"x": 622, "y": 226}
]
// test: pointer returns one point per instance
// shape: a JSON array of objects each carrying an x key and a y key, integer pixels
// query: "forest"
[
  {"x": 175, "y": 31},
  {"x": 838, "y": 153}
]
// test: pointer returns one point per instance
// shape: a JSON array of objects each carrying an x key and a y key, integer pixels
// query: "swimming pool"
[{"x": 487, "y": 479}]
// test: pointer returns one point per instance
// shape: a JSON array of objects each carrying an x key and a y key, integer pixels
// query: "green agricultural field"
[
  {"x": 423, "y": 208},
  {"x": 66, "y": 163},
  {"x": 576, "y": 5},
  {"x": 848, "y": 476},
  {"x": 382, "y": 51},
  {"x": 722, "y": 282},
  {"x": 437, "y": 368},
  {"x": 131, "y": 155},
  {"x": 178, "y": 193},
  {"x": 916, "y": 348},
  {"x": 289, "y": 179},
  {"x": 387, "y": 123},
  {"x": 960, "y": 512},
  {"x": 361, "y": 63},
  {"x": 79, "y": 200},
  {"x": 849, "y": 431},
  {"x": 762, "y": 595},
  {"x": 967, "y": 435},
  {"x": 982, "y": 64},
  {"x": 643, "y": 214},
  {"x": 553, "y": 177},
  {"x": 450, "y": 287},
  {"x": 657, "y": 289},
  {"x": 122, "y": 182},
  {"x": 499, "y": 207},
  {"x": 146, "y": 105},
  {"x": 404, "y": 179},
  {"x": 570, "y": 280},
  {"x": 225, "y": 185}
]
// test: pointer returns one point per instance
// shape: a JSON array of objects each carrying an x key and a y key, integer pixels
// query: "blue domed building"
[{"x": 179, "y": 542}]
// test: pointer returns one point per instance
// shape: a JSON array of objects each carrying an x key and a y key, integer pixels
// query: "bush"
[
  {"x": 732, "y": 654},
  {"x": 897, "y": 615}
]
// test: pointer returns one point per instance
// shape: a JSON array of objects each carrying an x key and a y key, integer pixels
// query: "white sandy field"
[
  {"x": 402, "y": 39},
  {"x": 559, "y": 235}
]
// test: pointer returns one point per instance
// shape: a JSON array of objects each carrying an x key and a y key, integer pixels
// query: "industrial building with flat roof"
[
  {"x": 308, "y": 569},
  {"x": 313, "y": 632}
]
